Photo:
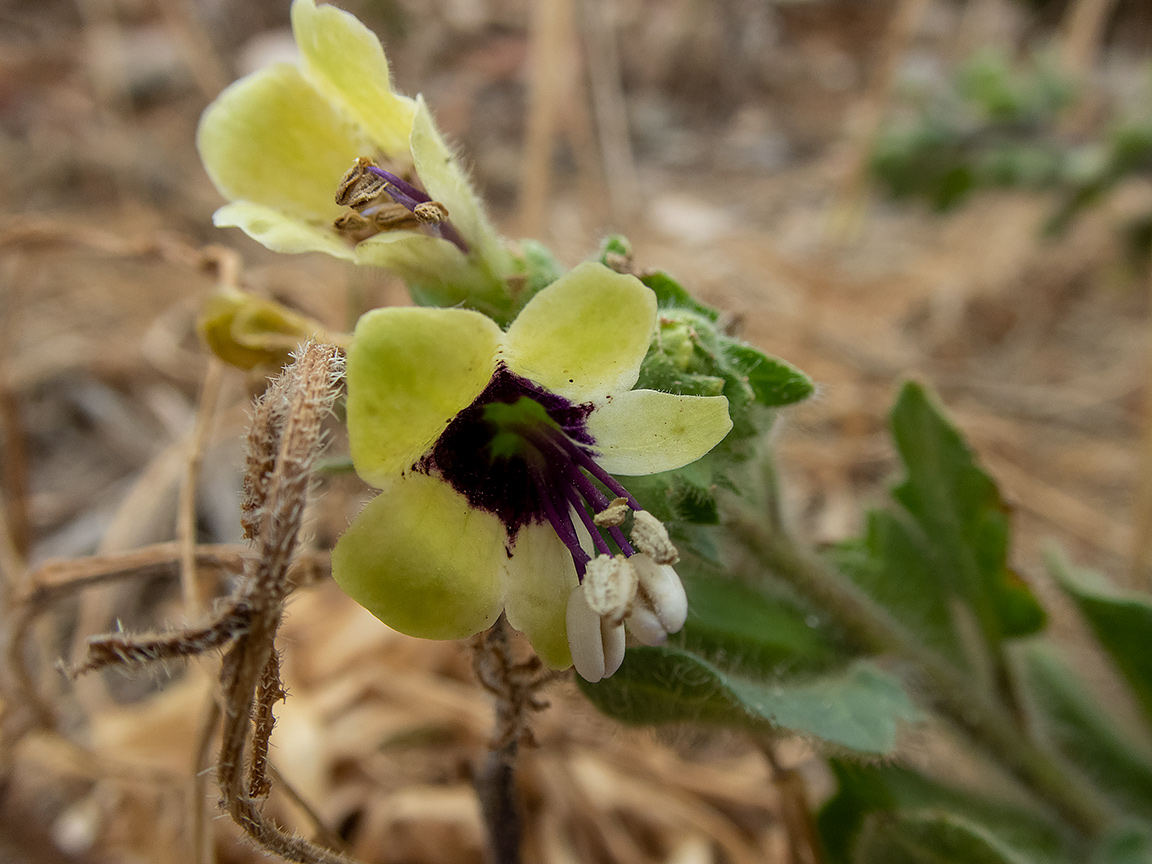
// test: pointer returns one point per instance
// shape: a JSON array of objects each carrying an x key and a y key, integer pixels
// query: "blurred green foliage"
[{"x": 1003, "y": 124}]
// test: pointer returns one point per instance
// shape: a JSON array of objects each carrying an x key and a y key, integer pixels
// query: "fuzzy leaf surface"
[
  {"x": 888, "y": 792},
  {"x": 960, "y": 511},
  {"x": 859, "y": 708},
  {"x": 1071, "y": 720},
  {"x": 1121, "y": 620}
]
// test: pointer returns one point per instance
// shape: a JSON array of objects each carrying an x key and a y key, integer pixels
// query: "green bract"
[
  {"x": 277, "y": 143},
  {"x": 423, "y": 556}
]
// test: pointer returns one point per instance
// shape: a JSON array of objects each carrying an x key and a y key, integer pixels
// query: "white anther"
[
  {"x": 645, "y": 626},
  {"x": 614, "y": 640},
  {"x": 651, "y": 537},
  {"x": 613, "y": 515},
  {"x": 597, "y": 646},
  {"x": 610, "y": 586},
  {"x": 662, "y": 592}
]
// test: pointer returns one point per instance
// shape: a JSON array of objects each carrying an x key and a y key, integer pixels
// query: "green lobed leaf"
[
  {"x": 888, "y": 791},
  {"x": 931, "y": 838},
  {"x": 670, "y": 294},
  {"x": 691, "y": 355},
  {"x": 1121, "y": 620},
  {"x": 960, "y": 511},
  {"x": 742, "y": 629},
  {"x": 773, "y": 382},
  {"x": 1128, "y": 844},
  {"x": 993, "y": 126},
  {"x": 859, "y": 708},
  {"x": 691, "y": 343},
  {"x": 892, "y": 561},
  {"x": 1068, "y": 718}
]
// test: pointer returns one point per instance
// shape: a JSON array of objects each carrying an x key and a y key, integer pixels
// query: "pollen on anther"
[{"x": 613, "y": 515}]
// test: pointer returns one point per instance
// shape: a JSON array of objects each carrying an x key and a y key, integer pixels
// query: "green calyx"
[{"x": 692, "y": 354}]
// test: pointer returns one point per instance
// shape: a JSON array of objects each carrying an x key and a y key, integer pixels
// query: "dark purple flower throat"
[{"x": 525, "y": 455}]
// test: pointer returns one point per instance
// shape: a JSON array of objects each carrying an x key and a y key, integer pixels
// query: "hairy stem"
[
  {"x": 500, "y": 804},
  {"x": 515, "y": 688},
  {"x": 950, "y": 689}
]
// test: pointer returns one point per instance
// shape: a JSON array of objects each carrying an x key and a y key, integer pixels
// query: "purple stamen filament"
[
  {"x": 562, "y": 524},
  {"x": 565, "y": 460},
  {"x": 593, "y": 531},
  {"x": 410, "y": 197},
  {"x": 401, "y": 190}
]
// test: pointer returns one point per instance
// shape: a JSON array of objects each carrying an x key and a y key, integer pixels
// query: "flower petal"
[
  {"x": 345, "y": 61},
  {"x": 585, "y": 335},
  {"x": 418, "y": 259},
  {"x": 646, "y": 431},
  {"x": 410, "y": 371},
  {"x": 444, "y": 179},
  {"x": 279, "y": 232},
  {"x": 422, "y": 560},
  {"x": 273, "y": 139},
  {"x": 537, "y": 581}
]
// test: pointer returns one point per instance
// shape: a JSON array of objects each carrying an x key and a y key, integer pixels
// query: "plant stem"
[
  {"x": 500, "y": 804},
  {"x": 950, "y": 689}
]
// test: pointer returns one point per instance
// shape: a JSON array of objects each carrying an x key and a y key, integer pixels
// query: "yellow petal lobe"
[
  {"x": 410, "y": 371},
  {"x": 646, "y": 431},
  {"x": 585, "y": 335},
  {"x": 279, "y": 232},
  {"x": 346, "y": 62},
  {"x": 537, "y": 581},
  {"x": 271, "y": 138},
  {"x": 422, "y": 560}
]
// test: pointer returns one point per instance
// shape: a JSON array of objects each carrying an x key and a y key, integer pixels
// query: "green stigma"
[{"x": 513, "y": 423}]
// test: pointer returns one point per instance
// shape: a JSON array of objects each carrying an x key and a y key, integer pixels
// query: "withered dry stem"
[
  {"x": 284, "y": 440},
  {"x": 515, "y": 686},
  {"x": 53, "y": 582},
  {"x": 22, "y": 232},
  {"x": 141, "y": 649},
  {"x": 269, "y": 691},
  {"x": 190, "y": 586}
]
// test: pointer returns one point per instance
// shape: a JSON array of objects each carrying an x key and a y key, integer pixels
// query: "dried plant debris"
[{"x": 284, "y": 440}]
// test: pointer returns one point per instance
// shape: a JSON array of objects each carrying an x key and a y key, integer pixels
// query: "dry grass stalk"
[
  {"x": 804, "y": 845},
  {"x": 22, "y": 232},
  {"x": 606, "y": 90},
  {"x": 551, "y": 23},
  {"x": 16, "y": 528},
  {"x": 847, "y": 215},
  {"x": 1084, "y": 26},
  {"x": 190, "y": 586},
  {"x": 55, "y": 581},
  {"x": 285, "y": 438}
]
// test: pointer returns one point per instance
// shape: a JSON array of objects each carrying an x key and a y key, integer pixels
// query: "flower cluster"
[{"x": 495, "y": 451}]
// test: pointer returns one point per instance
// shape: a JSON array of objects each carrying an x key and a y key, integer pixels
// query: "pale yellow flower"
[
  {"x": 494, "y": 452},
  {"x": 278, "y": 142}
]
